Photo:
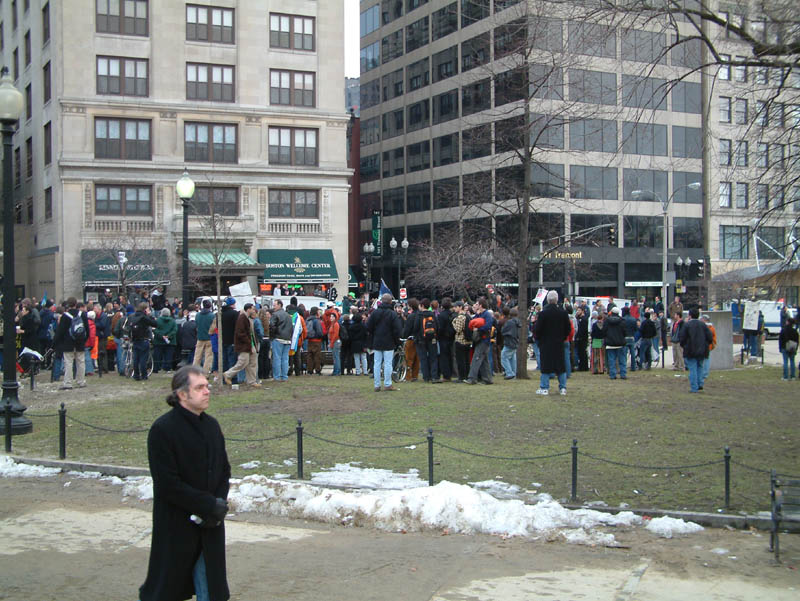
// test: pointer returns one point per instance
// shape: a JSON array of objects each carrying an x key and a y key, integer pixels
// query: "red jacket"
[{"x": 90, "y": 340}]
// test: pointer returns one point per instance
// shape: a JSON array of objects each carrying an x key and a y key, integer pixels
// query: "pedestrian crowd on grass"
[{"x": 455, "y": 341}]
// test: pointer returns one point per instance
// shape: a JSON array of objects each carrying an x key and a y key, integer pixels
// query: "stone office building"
[{"x": 122, "y": 97}]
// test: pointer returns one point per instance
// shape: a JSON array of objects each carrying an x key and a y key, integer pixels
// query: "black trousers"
[
  {"x": 428, "y": 360},
  {"x": 583, "y": 357},
  {"x": 446, "y": 359},
  {"x": 462, "y": 360}
]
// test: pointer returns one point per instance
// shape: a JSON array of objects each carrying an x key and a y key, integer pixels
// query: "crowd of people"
[{"x": 458, "y": 341}]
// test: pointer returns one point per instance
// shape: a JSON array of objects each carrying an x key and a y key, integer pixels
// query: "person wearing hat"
[
  {"x": 229, "y": 316},
  {"x": 613, "y": 333}
]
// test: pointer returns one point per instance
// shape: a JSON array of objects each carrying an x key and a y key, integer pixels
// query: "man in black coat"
[
  {"x": 191, "y": 477},
  {"x": 552, "y": 329},
  {"x": 447, "y": 336},
  {"x": 695, "y": 340},
  {"x": 229, "y": 316},
  {"x": 384, "y": 326},
  {"x": 582, "y": 338}
]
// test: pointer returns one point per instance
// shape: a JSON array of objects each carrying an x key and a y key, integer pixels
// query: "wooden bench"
[
  {"x": 326, "y": 358},
  {"x": 785, "y": 494}
]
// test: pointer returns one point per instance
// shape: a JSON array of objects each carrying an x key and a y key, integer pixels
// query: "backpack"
[
  {"x": 316, "y": 329},
  {"x": 77, "y": 330},
  {"x": 119, "y": 327},
  {"x": 449, "y": 331},
  {"x": 429, "y": 328},
  {"x": 344, "y": 335}
]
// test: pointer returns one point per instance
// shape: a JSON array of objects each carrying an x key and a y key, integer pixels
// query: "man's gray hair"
[
  {"x": 386, "y": 298},
  {"x": 552, "y": 297}
]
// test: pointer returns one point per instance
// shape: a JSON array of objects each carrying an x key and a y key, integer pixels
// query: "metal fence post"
[
  {"x": 34, "y": 367},
  {"x": 663, "y": 357},
  {"x": 430, "y": 456},
  {"x": 727, "y": 478},
  {"x": 62, "y": 432},
  {"x": 574, "y": 469},
  {"x": 299, "y": 449}
]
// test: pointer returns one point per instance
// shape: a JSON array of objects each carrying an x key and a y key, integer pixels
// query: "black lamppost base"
[{"x": 19, "y": 424}]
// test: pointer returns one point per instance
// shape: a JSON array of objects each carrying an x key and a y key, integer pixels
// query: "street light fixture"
[
  {"x": 11, "y": 104},
  {"x": 185, "y": 189},
  {"x": 398, "y": 258},
  {"x": 369, "y": 253},
  {"x": 665, "y": 242}
]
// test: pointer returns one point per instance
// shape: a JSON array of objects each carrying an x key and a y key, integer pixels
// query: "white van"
[
  {"x": 772, "y": 315},
  {"x": 306, "y": 301}
]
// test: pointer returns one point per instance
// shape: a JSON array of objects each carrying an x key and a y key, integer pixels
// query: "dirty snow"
[{"x": 402, "y": 502}]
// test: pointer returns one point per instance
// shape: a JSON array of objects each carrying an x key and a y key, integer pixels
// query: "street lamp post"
[
  {"x": 11, "y": 104},
  {"x": 185, "y": 189},
  {"x": 398, "y": 258},
  {"x": 369, "y": 253},
  {"x": 665, "y": 242}
]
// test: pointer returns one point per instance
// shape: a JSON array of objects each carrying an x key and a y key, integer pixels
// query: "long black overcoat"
[
  {"x": 552, "y": 329},
  {"x": 190, "y": 469}
]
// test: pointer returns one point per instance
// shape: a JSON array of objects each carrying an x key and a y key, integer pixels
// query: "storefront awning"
[
  {"x": 310, "y": 266},
  {"x": 205, "y": 258},
  {"x": 352, "y": 278},
  {"x": 142, "y": 267}
]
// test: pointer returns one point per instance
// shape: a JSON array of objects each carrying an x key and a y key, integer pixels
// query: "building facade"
[
  {"x": 122, "y": 97},
  {"x": 622, "y": 122}
]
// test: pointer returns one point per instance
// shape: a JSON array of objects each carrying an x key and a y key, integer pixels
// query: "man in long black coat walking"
[
  {"x": 552, "y": 329},
  {"x": 191, "y": 474}
]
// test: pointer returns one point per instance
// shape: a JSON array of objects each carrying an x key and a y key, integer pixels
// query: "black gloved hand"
[{"x": 220, "y": 509}]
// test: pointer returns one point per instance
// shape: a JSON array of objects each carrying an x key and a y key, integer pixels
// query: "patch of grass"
[{"x": 649, "y": 421}]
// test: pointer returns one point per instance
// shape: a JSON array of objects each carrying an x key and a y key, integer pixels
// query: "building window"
[
  {"x": 740, "y": 71},
  {"x": 132, "y": 20},
  {"x": 686, "y": 97},
  {"x": 762, "y": 197},
  {"x": 16, "y": 64},
  {"x": 418, "y": 115},
  {"x": 593, "y": 182},
  {"x": 592, "y": 39},
  {"x": 417, "y": 34},
  {"x": 14, "y": 15},
  {"x": 17, "y": 166},
  {"x": 2, "y": 36},
  {"x": 762, "y": 154},
  {"x": 370, "y": 168},
  {"x": 687, "y": 232},
  {"x": 734, "y": 242},
  {"x": 644, "y": 138},
  {"x": 392, "y": 85},
  {"x": 210, "y": 142},
  {"x": 742, "y": 153},
  {"x": 681, "y": 192},
  {"x": 46, "y": 83},
  {"x": 221, "y": 24},
  {"x": 419, "y": 156},
  {"x": 547, "y": 180},
  {"x": 642, "y": 232},
  {"x": 418, "y": 74},
  {"x": 216, "y": 201},
  {"x": 28, "y": 102},
  {"x": 123, "y": 76},
  {"x": 646, "y": 92},
  {"x": 29, "y": 158},
  {"x": 687, "y": 142},
  {"x": 652, "y": 184},
  {"x": 742, "y": 195},
  {"x": 599, "y": 135},
  {"x": 392, "y": 46},
  {"x": 595, "y": 87},
  {"x": 394, "y": 162},
  {"x": 475, "y": 52},
  {"x": 48, "y": 204},
  {"x": 725, "y": 195},
  {"x": 294, "y": 203},
  {"x": 445, "y": 150},
  {"x": 370, "y": 93},
  {"x": 122, "y": 200},
  {"x": 48, "y": 144},
  {"x": 643, "y": 46},
  {"x": 445, "y": 21},
  {"x": 724, "y": 70},
  {"x": 289, "y": 31},
  {"x": 777, "y": 155},
  {"x": 725, "y": 152},
  {"x": 740, "y": 111},
  {"x": 724, "y": 109},
  {"x": 370, "y": 131},
  {"x": 45, "y": 24},
  {"x": 27, "y": 48},
  {"x": 418, "y": 198},
  {"x": 209, "y": 82},
  {"x": 392, "y": 124},
  {"x": 292, "y": 146},
  {"x": 370, "y": 57},
  {"x": 370, "y": 20},
  {"x": 122, "y": 139},
  {"x": 473, "y": 11},
  {"x": 294, "y": 88},
  {"x": 445, "y": 106},
  {"x": 475, "y": 97}
]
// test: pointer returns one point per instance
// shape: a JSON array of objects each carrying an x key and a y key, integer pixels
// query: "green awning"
[
  {"x": 352, "y": 278},
  {"x": 204, "y": 258},
  {"x": 146, "y": 267},
  {"x": 313, "y": 266}
]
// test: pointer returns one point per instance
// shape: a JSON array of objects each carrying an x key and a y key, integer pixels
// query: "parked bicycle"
[
  {"x": 399, "y": 367},
  {"x": 127, "y": 358}
]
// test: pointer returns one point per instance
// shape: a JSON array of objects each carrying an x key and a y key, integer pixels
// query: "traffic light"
[
  {"x": 701, "y": 267},
  {"x": 612, "y": 236}
]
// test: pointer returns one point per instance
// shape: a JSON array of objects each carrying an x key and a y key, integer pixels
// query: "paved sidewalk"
[{"x": 77, "y": 539}]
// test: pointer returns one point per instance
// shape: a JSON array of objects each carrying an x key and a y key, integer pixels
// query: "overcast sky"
[{"x": 351, "y": 38}]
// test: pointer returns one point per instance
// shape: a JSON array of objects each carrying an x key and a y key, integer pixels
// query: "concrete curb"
[{"x": 712, "y": 520}]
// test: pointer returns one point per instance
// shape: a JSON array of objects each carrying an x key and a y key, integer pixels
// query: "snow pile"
[
  {"x": 456, "y": 508},
  {"x": 667, "y": 527},
  {"x": 348, "y": 474},
  {"x": 10, "y": 469}
]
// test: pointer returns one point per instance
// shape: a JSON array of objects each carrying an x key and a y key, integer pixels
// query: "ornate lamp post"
[
  {"x": 399, "y": 257},
  {"x": 11, "y": 104},
  {"x": 185, "y": 189},
  {"x": 369, "y": 253}
]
